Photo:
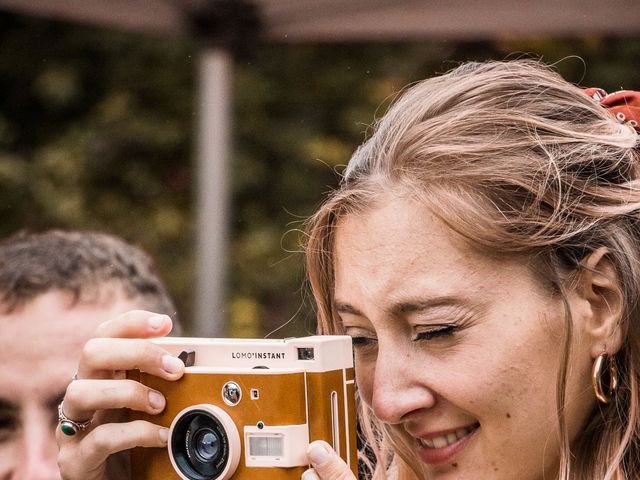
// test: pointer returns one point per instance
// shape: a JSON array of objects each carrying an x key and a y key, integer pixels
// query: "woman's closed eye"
[
  {"x": 362, "y": 341},
  {"x": 431, "y": 334},
  {"x": 436, "y": 332}
]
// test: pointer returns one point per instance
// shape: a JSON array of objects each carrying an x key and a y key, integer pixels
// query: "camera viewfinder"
[
  {"x": 188, "y": 357},
  {"x": 306, "y": 353}
]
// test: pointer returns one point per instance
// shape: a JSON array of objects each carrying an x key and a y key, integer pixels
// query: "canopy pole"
[
  {"x": 213, "y": 198},
  {"x": 227, "y": 29}
]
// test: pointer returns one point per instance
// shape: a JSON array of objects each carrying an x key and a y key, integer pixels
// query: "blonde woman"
[{"x": 483, "y": 251}]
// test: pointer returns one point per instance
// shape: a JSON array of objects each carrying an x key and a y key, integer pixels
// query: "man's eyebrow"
[
  {"x": 51, "y": 402},
  {"x": 54, "y": 401},
  {"x": 7, "y": 405}
]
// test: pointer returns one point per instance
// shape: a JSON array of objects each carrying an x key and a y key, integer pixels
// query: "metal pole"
[{"x": 213, "y": 199}]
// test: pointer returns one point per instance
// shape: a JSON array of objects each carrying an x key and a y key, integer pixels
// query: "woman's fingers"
[
  {"x": 82, "y": 461},
  {"x": 84, "y": 397},
  {"x": 136, "y": 324},
  {"x": 103, "y": 356},
  {"x": 102, "y": 393},
  {"x": 327, "y": 464}
]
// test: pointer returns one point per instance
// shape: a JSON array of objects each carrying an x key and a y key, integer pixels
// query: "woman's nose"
[{"x": 398, "y": 389}]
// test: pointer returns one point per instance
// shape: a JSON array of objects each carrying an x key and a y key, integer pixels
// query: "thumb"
[{"x": 326, "y": 463}]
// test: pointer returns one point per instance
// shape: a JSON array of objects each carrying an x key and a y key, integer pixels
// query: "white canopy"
[
  {"x": 363, "y": 20},
  {"x": 313, "y": 21}
]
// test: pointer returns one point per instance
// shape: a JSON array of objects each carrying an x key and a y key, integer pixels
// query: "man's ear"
[{"x": 599, "y": 285}]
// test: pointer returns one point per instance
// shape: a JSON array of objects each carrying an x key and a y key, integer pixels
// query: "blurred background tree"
[{"x": 96, "y": 133}]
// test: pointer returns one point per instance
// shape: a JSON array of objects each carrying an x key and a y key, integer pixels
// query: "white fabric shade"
[{"x": 315, "y": 21}]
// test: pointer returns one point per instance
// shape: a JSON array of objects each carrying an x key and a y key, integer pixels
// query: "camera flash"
[{"x": 266, "y": 446}]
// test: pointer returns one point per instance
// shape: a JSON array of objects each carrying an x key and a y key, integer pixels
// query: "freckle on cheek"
[
  {"x": 508, "y": 415},
  {"x": 454, "y": 465}
]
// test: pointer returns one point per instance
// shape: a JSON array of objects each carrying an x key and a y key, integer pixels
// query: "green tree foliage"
[{"x": 96, "y": 132}]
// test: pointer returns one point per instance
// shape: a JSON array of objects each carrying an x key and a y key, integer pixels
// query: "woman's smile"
[{"x": 440, "y": 447}]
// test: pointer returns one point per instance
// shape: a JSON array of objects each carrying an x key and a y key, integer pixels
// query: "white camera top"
[{"x": 319, "y": 353}]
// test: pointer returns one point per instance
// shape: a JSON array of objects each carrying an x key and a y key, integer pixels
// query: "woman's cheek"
[{"x": 364, "y": 381}]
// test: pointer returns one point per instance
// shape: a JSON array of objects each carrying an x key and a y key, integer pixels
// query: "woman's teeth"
[{"x": 448, "y": 439}]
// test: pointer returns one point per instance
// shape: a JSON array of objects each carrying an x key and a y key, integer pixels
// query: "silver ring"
[{"x": 70, "y": 427}]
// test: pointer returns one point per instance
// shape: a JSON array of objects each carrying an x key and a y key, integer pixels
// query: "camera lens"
[
  {"x": 207, "y": 445},
  {"x": 200, "y": 444}
]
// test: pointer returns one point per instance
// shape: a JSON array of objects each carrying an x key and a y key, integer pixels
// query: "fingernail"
[
  {"x": 157, "y": 321},
  {"x": 171, "y": 364},
  {"x": 310, "y": 475},
  {"x": 156, "y": 400},
  {"x": 164, "y": 435},
  {"x": 318, "y": 454}
]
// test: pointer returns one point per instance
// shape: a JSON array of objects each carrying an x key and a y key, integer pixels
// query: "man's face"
[{"x": 40, "y": 345}]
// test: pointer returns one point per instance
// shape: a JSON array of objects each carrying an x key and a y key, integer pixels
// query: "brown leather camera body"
[{"x": 283, "y": 400}]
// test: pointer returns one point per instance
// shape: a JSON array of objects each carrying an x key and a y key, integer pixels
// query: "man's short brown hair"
[{"x": 79, "y": 263}]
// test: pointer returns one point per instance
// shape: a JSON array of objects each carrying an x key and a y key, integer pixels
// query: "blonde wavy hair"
[{"x": 516, "y": 160}]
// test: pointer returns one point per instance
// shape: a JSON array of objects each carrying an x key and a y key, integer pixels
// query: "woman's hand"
[
  {"x": 102, "y": 390},
  {"x": 327, "y": 464}
]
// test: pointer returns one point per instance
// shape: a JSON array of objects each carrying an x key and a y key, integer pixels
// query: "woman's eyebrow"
[
  {"x": 419, "y": 305},
  {"x": 346, "y": 308},
  {"x": 410, "y": 306}
]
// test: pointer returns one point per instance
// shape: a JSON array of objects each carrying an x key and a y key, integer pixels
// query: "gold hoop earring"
[{"x": 604, "y": 377}]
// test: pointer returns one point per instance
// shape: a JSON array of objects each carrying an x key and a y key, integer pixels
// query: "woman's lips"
[{"x": 442, "y": 448}]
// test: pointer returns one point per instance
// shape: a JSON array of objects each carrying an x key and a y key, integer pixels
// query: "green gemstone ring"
[{"x": 70, "y": 427}]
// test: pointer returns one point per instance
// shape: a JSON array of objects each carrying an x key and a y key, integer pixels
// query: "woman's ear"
[{"x": 599, "y": 285}]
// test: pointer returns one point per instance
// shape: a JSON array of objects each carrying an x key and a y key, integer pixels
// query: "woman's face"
[{"x": 458, "y": 350}]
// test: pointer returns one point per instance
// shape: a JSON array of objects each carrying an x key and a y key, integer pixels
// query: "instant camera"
[{"x": 248, "y": 409}]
